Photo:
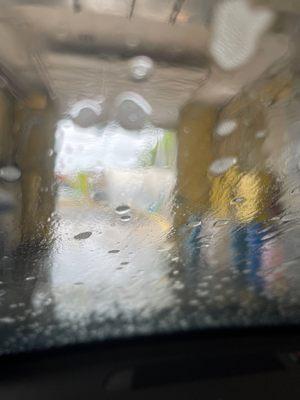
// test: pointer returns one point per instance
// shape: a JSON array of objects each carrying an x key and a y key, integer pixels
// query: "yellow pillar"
[
  {"x": 195, "y": 153},
  {"x": 10, "y": 221},
  {"x": 35, "y": 142}
]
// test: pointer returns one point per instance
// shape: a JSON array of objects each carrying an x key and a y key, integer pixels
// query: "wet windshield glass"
[{"x": 149, "y": 168}]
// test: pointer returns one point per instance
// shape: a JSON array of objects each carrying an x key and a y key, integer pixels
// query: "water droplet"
[
  {"x": 178, "y": 285},
  {"x": 166, "y": 247},
  {"x": 175, "y": 259},
  {"x": 99, "y": 195},
  {"x": 221, "y": 222},
  {"x": 260, "y": 134},
  {"x": 287, "y": 218},
  {"x": 225, "y": 279},
  {"x": 175, "y": 272},
  {"x": 86, "y": 118},
  {"x": 236, "y": 30},
  {"x": 132, "y": 111},
  {"x": 141, "y": 67},
  {"x": 7, "y": 201},
  {"x": 203, "y": 293},
  {"x": 295, "y": 191},
  {"x": 7, "y": 320},
  {"x": 226, "y": 127},
  {"x": 30, "y": 278},
  {"x": 238, "y": 200},
  {"x": 114, "y": 251},
  {"x": 222, "y": 165},
  {"x": 195, "y": 224},
  {"x": 2, "y": 292},
  {"x": 124, "y": 263},
  {"x": 83, "y": 235},
  {"x": 125, "y": 218},
  {"x": 50, "y": 152},
  {"x": 10, "y": 173},
  {"x": 86, "y": 112},
  {"x": 132, "y": 41},
  {"x": 123, "y": 209}
]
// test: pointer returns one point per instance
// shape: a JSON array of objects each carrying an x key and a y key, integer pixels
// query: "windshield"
[{"x": 149, "y": 168}]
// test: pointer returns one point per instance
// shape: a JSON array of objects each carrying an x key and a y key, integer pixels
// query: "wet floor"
[{"x": 149, "y": 178}]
